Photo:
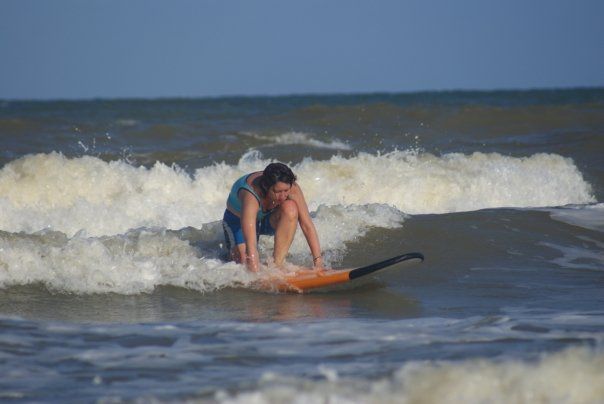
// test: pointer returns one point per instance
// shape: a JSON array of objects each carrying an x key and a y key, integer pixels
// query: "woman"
[{"x": 267, "y": 202}]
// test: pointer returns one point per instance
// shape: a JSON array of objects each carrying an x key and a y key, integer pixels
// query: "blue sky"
[{"x": 72, "y": 49}]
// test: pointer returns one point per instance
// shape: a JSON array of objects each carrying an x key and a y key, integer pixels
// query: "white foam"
[
  {"x": 301, "y": 138},
  {"x": 424, "y": 183},
  {"x": 133, "y": 263},
  {"x": 50, "y": 191},
  {"x": 141, "y": 260},
  {"x": 571, "y": 376},
  {"x": 579, "y": 257},
  {"x": 587, "y": 216}
]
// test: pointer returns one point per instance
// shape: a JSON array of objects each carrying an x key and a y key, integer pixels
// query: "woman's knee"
[{"x": 289, "y": 210}]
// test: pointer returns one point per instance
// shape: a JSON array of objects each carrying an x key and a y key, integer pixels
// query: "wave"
[
  {"x": 301, "y": 138},
  {"x": 143, "y": 259},
  {"x": 570, "y": 376},
  {"x": 51, "y": 191},
  {"x": 136, "y": 262}
]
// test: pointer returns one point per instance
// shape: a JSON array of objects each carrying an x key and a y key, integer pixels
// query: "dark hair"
[{"x": 274, "y": 173}]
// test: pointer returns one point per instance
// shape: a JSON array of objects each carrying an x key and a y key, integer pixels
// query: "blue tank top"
[{"x": 235, "y": 203}]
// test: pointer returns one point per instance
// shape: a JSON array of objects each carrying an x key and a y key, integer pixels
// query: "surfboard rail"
[
  {"x": 309, "y": 279},
  {"x": 366, "y": 270}
]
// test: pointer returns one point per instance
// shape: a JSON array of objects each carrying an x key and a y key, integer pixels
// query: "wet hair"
[{"x": 274, "y": 173}]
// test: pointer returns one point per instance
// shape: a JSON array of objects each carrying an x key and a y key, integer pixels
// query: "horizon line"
[{"x": 304, "y": 94}]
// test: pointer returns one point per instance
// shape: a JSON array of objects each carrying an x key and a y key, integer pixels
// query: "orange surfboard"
[{"x": 306, "y": 279}]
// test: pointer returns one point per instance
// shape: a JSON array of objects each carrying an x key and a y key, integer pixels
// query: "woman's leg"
[
  {"x": 238, "y": 253},
  {"x": 233, "y": 237},
  {"x": 285, "y": 223}
]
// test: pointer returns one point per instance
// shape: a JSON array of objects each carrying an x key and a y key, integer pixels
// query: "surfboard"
[{"x": 306, "y": 279}]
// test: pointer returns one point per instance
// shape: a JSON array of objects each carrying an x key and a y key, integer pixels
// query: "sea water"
[{"x": 114, "y": 287}]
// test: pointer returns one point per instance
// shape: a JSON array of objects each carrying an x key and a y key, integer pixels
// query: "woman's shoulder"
[
  {"x": 251, "y": 186},
  {"x": 253, "y": 176},
  {"x": 295, "y": 190}
]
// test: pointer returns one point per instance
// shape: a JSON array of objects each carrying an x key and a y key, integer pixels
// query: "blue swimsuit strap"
[{"x": 235, "y": 202}]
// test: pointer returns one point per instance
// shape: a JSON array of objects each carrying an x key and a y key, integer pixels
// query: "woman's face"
[{"x": 279, "y": 192}]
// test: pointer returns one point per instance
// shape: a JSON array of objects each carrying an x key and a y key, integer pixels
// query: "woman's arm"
[
  {"x": 249, "y": 212},
  {"x": 307, "y": 225}
]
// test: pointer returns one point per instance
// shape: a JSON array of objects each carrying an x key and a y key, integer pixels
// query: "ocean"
[{"x": 114, "y": 287}]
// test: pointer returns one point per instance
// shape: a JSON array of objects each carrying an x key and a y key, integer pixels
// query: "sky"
[{"x": 75, "y": 49}]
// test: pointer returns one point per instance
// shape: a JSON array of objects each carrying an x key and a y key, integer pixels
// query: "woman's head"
[{"x": 275, "y": 173}]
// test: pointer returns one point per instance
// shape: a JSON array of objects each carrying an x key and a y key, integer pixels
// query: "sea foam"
[
  {"x": 51, "y": 191},
  {"x": 141, "y": 260},
  {"x": 575, "y": 375},
  {"x": 136, "y": 262},
  {"x": 301, "y": 138},
  {"x": 589, "y": 217}
]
